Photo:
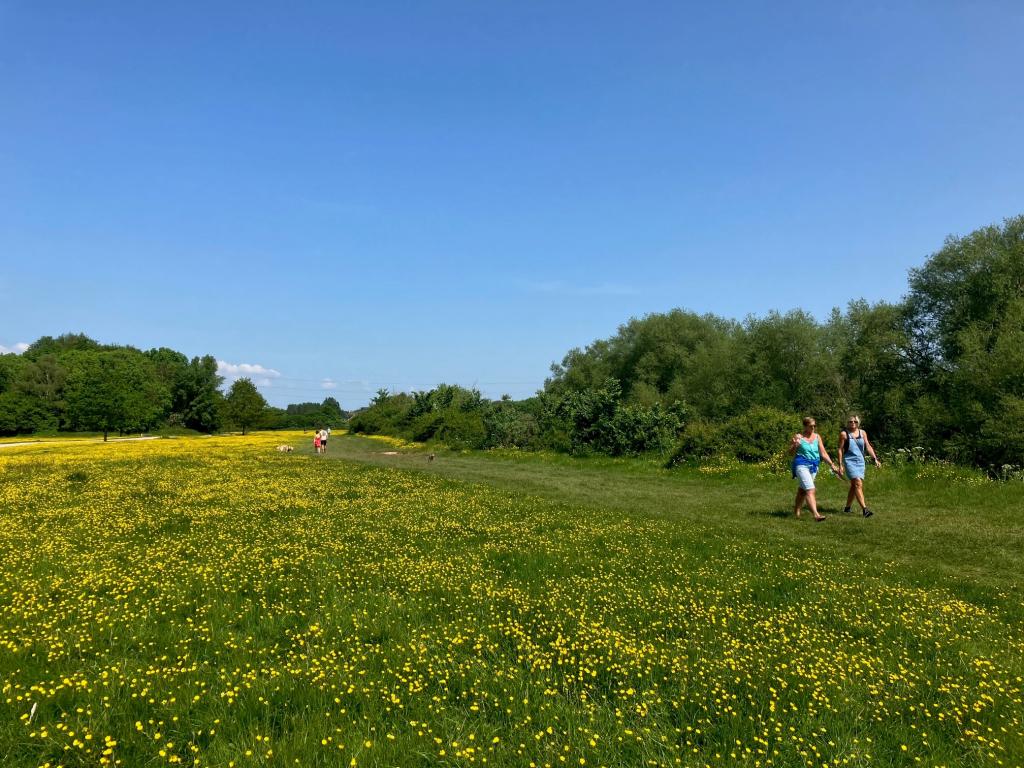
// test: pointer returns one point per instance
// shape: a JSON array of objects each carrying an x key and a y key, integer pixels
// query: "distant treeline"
[
  {"x": 73, "y": 383},
  {"x": 942, "y": 370}
]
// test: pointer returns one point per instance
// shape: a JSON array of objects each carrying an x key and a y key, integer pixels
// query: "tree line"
[
  {"x": 74, "y": 383},
  {"x": 942, "y": 370}
]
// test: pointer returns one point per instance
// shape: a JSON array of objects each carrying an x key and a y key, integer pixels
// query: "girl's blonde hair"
[{"x": 855, "y": 420}]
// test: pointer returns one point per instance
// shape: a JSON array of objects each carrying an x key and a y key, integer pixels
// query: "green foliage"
[
  {"x": 678, "y": 356},
  {"x": 245, "y": 405},
  {"x": 511, "y": 424},
  {"x": 700, "y": 440},
  {"x": 944, "y": 369},
  {"x": 450, "y": 414},
  {"x": 966, "y": 315},
  {"x": 68, "y": 342},
  {"x": 74, "y": 383},
  {"x": 386, "y": 414},
  {"x": 461, "y": 429},
  {"x": 760, "y": 434},
  {"x": 197, "y": 396},
  {"x": 597, "y": 420},
  {"x": 305, "y": 416},
  {"x": 113, "y": 389}
]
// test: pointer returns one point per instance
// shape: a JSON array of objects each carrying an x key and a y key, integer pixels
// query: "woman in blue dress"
[
  {"x": 853, "y": 446},
  {"x": 808, "y": 449}
]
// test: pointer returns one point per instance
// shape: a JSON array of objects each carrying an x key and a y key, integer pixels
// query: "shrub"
[
  {"x": 425, "y": 427},
  {"x": 461, "y": 429},
  {"x": 510, "y": 425},
  {"x": 759, "y": 433},
  {"x": 700, "y": 440}
]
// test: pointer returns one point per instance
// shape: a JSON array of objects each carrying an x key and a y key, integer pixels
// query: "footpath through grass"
[{"x": 214, "y": 602}]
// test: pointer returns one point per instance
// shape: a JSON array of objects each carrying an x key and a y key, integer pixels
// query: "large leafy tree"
[
  {"x": 42, "y": 380},
  {"x": 677, "y": 356},
  {"x": 966, "y": 314},
  {"x": 113, "y": 390},
  {"x": 197, "y": 395},
  {"x": 244, "y": 403}
]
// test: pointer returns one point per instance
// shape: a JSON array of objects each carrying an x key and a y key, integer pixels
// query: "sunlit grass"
[{"x": 213, "y": 602}]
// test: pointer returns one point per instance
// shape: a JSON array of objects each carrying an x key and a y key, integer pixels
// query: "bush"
[
  {"x": 425, "y": 426},
  {"x": 597, "y": 421},
  {"x": 700, "y": 440},
  {"x": 636, "y": 429},
  {"x": 511, "y": 425},
  {"x": 760, "y": 433},
  {"x": 461, "y": 430}
]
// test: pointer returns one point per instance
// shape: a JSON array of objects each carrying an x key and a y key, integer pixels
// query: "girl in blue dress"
[{"x": 853, "y": 446}]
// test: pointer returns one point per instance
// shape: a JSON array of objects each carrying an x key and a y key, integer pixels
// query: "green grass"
[
  {"x": 218, "y": 597},
  {"x": 934, "y": 526}
]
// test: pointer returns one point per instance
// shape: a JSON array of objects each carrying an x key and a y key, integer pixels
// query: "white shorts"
[{"x": 805, "y": 477}]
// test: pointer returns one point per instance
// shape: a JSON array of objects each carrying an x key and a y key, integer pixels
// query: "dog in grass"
[{"x": 285, "y": 448}]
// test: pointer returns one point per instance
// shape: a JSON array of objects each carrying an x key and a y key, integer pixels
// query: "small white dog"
[{"x": 285, "y": 448}]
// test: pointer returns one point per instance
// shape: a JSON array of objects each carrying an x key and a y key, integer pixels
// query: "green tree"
[
  {"x": 877, "y": 364},
  {"x": 244, "y": 403},
  {"x": 43, "y": 379},
  {"x": 677, "y": 356},
  {"x": 967, "y": 286},
  {"x": 966, "y": 317},
  {"x": 197, "y": 395},
  {"x": 113, "y": 389},
  {"x": 332, "y": 415},
  {"x": 68, "y": 342}
]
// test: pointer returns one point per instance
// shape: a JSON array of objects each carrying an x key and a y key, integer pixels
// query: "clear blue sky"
[{"x": 399, "y": 194}]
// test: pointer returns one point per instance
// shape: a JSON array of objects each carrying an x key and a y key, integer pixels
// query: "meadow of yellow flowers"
[{"x": 211, "y": 602}]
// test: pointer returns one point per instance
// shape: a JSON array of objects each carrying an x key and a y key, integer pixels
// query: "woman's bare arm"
[
  {"x": 824, "y": 452},
  {"x": 870, "y": 447}
]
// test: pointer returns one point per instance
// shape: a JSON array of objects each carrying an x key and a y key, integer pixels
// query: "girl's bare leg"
[
  {"x": 851, "y": 495},
  {"x": 857, "y": 486},
  {"x": 801, "y": 494},
  {"x": 812, "y": 502}
]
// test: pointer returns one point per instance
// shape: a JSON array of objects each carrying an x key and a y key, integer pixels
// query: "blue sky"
[{"x": 399, "y": 194}]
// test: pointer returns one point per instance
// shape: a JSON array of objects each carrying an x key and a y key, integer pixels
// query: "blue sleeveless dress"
[{"x": 853, "y": 456}]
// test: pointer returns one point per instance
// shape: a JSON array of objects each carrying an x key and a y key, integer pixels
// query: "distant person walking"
[
  {"x": 316, "y": 441},
  {"x": 324, "y": 434},
  {"x": 807, "y": 450},
  {"x": 853, "y": 445}
]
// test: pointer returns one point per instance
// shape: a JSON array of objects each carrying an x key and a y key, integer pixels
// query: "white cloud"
[
  {"x": 17, "y": 349},
  {"x": 328, "y": 384},
  {"x": 261, "y": 375}
]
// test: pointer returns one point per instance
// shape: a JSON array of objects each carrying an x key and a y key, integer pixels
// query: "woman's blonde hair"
[{"x": 854, "y": 419}]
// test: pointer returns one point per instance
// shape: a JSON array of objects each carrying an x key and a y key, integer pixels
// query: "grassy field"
[{"x": 213, "y": 602}]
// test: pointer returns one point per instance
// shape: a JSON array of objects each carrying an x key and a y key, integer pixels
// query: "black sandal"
[{"x": 867, "y": 512}]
